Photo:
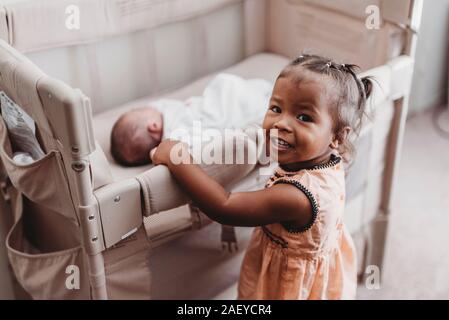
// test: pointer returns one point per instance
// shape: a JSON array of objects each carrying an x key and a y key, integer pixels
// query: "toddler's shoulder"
[{"x": 318, "y": 183}]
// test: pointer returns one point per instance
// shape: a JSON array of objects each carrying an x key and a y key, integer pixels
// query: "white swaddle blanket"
[{"x": 228, "y": 102}]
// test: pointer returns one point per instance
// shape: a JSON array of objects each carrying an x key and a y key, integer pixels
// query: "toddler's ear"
[{"x": 340, "y": 137}]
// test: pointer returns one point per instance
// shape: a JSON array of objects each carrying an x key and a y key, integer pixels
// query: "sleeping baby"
[{"x": 228, "y": 102}]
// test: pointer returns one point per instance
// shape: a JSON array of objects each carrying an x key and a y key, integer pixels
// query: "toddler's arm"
[{"x": 282, "y": 202}]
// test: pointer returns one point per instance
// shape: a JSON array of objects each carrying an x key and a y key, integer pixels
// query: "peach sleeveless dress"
[{"x": 317, "y": 262}]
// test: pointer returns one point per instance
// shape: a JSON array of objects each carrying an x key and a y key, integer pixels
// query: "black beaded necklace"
[{"x": 334, "y": 160}]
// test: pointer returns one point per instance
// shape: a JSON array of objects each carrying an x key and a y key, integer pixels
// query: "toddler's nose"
[{"x": 282, "y": 125}]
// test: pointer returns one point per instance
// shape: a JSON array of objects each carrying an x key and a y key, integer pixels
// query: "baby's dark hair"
[
  {"x": 350, "y": 105},
  {"x": 127, "y": 150}
]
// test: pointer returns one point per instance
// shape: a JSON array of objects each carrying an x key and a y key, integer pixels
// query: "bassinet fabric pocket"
[
  {"x": 42, "y": 181},
  {"x": 53, "y": 275},
  {"x": 127, "y": 270}
]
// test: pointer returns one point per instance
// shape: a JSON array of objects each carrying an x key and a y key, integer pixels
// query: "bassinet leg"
[
  {"x": 91, "y": 232},
  {"x": 97, "y": 278},
  {"x": 70, "y": 117}
]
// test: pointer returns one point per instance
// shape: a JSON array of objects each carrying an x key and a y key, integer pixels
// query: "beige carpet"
[{"x": 417, "y": 257}]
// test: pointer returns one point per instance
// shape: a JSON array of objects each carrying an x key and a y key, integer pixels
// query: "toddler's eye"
[
  {"x": 304, "y": 118},
  {"x": 275, "y": 109}
]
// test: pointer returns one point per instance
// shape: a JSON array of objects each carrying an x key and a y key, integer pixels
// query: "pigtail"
[
  {"x": 367, "y": 86},
  {"x": 364, "y": 88}
]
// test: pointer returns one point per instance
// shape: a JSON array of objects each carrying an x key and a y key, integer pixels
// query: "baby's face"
[{"x": 300, "y": 111}]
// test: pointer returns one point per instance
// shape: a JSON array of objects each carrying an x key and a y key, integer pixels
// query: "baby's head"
[
  {"x": 315, "y": 104},
  {"x": 134, "y": 135}
]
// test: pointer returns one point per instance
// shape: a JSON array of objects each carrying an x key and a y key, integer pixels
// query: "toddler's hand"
[
  {"x": 152, "y": 152},
  {"x": 163, "y": 152}
]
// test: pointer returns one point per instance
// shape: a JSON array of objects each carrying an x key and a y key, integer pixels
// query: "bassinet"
[{"x": 125, "y": 52}]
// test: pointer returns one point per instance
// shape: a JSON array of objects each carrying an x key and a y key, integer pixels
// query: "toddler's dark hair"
[{"x": 350, "y": 105}]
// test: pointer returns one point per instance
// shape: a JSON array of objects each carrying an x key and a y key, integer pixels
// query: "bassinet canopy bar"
[{"x": 29, "y": 25}]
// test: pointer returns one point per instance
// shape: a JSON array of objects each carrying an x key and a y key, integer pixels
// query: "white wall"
[{"x": 429, "y": 86}]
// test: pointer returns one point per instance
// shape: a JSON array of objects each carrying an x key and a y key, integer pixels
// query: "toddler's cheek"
[{"x": 305, "y": 144}]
